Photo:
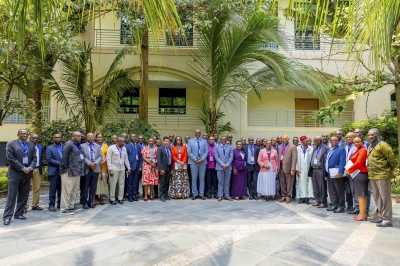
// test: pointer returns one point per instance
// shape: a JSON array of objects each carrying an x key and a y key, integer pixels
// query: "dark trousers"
[
  {"x": 18, "y": 193},
  {"x": 190, "y": 178},
  {"x": 55, "y": 188},
  {"x": 336, "y": 192},
  {"x": 294, "y": 187},
  {"x": 164, "y": 182},
  {"x": 286, "y": 180},
  {"x": 319, "y": 186},
  {"x": 252, "y": 176},
  {"x": 81, "y": 187},
  {"x": 348, "y": 193},
  {"x": 89, "y": 186},
  {"x": 212, "y": 181},
  {"x": 132, "y": 183}
]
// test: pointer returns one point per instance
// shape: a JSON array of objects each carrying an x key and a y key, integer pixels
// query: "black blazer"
[
  {"x": 256, "y": 152},
  {"x": 15, "y": 155},
  {"x": 323, "y": 151},
  {"x": 162, "y": 158}
]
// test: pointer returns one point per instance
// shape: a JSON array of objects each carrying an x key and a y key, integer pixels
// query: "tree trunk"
[
  {"x": 397, "y": 91},
  {"x": 3, "y": 110},
  {"x": 144, "y": 78}
]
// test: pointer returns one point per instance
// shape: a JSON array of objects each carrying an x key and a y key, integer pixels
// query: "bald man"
[{"x": 288, "y": 157}]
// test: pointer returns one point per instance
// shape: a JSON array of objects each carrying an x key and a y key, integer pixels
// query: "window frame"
[
  {"x": 129, "y": 108},
  {"x": 171, "y": 93}
]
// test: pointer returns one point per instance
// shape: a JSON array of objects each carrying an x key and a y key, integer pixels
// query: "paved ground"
[{"x": 183, "y": 232}]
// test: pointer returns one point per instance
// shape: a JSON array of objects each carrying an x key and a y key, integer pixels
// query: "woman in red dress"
[{"x": 149, "y": 168}]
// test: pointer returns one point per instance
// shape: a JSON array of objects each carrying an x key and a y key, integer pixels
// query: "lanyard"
[
  {"x": 330, "y": 153},
  {"x": 179, "y": 149},
  {"x": 134, "y": 147},
  {"x": 251, "y": 149},
  {"x": 242, "y": 153},
  {"x": 373, "y": 148},
  {"x": 120, "y": 152},
  {"x": 318, "y": 150},
  {"x": 78, "y": 146},
  {"x": 24, "y": 146},
  {"x": 269, "y": 154},
  {"x": 283, "y": 149}
]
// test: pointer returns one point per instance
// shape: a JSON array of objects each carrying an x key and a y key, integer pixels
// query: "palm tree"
[
  {"x": 368, "y": 27},
  {"x": 85, "y": 103},
  {"x": 225, "y": 50}
]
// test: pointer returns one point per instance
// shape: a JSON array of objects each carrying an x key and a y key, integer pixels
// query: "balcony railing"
[
  {"x": 291, "y": 118},
  {"x": 18, "y": 118},
  {"x": 162, "y": 116},
  {"x": 118, "y": 38}
]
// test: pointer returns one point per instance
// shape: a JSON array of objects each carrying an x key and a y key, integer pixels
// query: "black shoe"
[
  {"x": 156, "y": 196},
  {"x": 67, "y": 212},
  {"x": 37, "y": 208},
  {"x": 255, "y": 197},
  {"x": 377, "y": 221},
  {"x": 251, "y": 197},
  {"x": 162, "y": 199},
  {"x": 355, "y": 211},
  {"x": 307, "y": 203},
  {"x": 25, "y": 211},
  {"x": 203, "y": 198},
  {"x": 301, "y": 201},
  {"x": 230, "y": 199},
  {"x": 135, "y": 199},
  {"x": 349, "y": 208},
  {"x": 113, "y": 203},
  {"x": 215, "y": 196},
  {"x": 85, "y": 206},
  {"x": 384, "y": 224},
  {"x": 120, "y": 202},
  {"x": 209, "y": 196},
  {"x": 7, "y": 222},
  {"x": 167, "y": 197},
  {"x": 52, "y": 209},
  {"x": 91, "y": 205},
  {"x": 20, "y": 217},
  {"x": 339, "y": 210},
  {"x": 58, "y": 206},
  {"x": 193, "y": 198},
  {"x": 130, "y": 199},
  {"x": 332, "y": 208}
]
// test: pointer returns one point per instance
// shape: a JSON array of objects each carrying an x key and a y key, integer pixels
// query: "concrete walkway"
[{"x": 186, "y": 232}]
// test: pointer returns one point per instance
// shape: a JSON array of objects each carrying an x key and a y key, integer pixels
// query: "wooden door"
[{"x": 304, "y": 107}]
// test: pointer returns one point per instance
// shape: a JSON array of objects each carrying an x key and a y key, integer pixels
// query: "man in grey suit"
[
  {"x": 198, "y": 151},
  {"x": 224, "y": 158},
  {"x": 21, "y": 156},
  {"x": 93, "y": 157}
]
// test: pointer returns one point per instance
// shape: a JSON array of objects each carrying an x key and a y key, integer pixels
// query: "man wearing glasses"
[{"x": 37, "y": 174}]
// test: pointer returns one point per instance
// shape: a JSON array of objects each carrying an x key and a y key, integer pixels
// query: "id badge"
[
  {"x": 252, "y": 158},
  {"x": 137, "y": 157},
  {"x": 25, "y": 160},
  {"x": 81, "y": 156},
  {"x": 281, "y": 157},
  {"x": 120, "y": 161},
  {"x": 211, "y": 159},
  {"x": 315, "y": 161},
  {"x": 366, "y": 162}
]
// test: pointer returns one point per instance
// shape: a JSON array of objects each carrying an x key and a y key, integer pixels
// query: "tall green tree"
[
  {"x": 227, "y": 46},
  {"x": 86, "y": 103},
  {"x": 371, "y": 29}
]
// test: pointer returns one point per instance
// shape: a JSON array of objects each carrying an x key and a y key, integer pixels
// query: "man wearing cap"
[{"x": 304, "y": 182}]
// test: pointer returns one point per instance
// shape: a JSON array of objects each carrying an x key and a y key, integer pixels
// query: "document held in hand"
[
  {"x": 347, "y": 167},
  {"x": 333, "y": 172}
]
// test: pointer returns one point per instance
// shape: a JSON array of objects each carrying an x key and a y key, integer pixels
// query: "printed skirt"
[{"x": 180, "y": 184}]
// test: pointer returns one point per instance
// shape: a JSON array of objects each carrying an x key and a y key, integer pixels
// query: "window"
[
  {"x": 126, "y": 36},
  {"x": 180, "y": 39},
  {"x": 172, "y": 101},
  {"x": 306, "y": 39},
  {"x": 393, "y": 103},
  {"x": 129, "y": 102}
]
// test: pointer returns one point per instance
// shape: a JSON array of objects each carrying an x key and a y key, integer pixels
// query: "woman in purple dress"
[{"x": 239, "y": 177}]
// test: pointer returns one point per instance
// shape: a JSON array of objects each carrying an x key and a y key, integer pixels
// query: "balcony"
[
  {"x": 18, "y": 118},
  {"x": 291, "y": 118},
  {"x": 120, "y": 38}
]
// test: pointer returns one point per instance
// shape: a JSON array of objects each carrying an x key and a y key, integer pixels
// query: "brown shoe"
[
  {"x": 374, "y": 215},
  {"x": 316, "y": 204},
  {"x": 321, "y": 206},
  {"x": 288, "y": 200},
  {"x": 219, "y": 199},
  {"x": 282, "y": 199}
]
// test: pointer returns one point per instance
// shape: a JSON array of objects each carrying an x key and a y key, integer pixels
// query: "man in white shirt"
[{"x": 117, "y": 159}]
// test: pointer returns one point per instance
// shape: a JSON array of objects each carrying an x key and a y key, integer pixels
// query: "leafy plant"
[
  {"x": 59, "y": 126},
  {"x": 387, "y": 125},
  {"x": 3, "y": 181},
  {"x": 132, "y": 126}
]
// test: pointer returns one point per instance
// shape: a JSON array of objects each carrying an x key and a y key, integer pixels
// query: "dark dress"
[{"x": 239, "y": 181}]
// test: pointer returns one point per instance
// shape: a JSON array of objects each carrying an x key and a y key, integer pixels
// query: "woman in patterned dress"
[
  {"x": 180, "y": 179},
  {"x": 102, "y": 187},
  {"x": 149, "y": 168}
]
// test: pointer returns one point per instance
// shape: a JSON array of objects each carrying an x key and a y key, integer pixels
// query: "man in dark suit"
[
  {"x": 317, "y": 173},
  {"x": 135, "y": 161},
  {"x": 93, "y": 156},
  {"x": 21, "y": 156},
  {"x": 251, "y": 151},
  {"x": 53, "y": 157},
  {"x": 335, "y": 162},
  {"x": 37, "y": 175},
  {"x": 164, "y": 161}
]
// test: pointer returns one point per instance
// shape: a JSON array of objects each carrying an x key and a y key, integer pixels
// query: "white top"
[{"x": 117, "y": 158}]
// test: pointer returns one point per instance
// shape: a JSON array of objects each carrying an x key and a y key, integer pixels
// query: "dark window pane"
[
  {"x": 165, "y": 101},
  {"x": 179, "y": 102},
  {"x": 135, "y": 100},
  {"x": 126, "y": 100}
]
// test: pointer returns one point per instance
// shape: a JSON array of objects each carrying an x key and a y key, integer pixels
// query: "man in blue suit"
[
  {"x": 37, "y": 174},
  {"x": 135, "y": 161},
  {"x": 335, "y": 162},
  {"x": 53, "y": 157},
  {"x": 224, "y": 158},
  {"x": 198, "y": 151}
]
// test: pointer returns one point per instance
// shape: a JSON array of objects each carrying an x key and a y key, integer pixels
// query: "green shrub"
[
  {"x": 3, "y": 183},
  {"x": 64, "y": 127},
  {"x": 132, "y": 126},
  {"x": 387, "y": 125}
]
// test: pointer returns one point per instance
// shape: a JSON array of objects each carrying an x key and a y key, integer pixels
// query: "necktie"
[
  {"x": 91, "y": 153},
  {"x": 223, "y": 148},
  {"x": 59, "y": 148},
  {"x": 198, "y": 147},
  {"x": 25, "y": 148}
]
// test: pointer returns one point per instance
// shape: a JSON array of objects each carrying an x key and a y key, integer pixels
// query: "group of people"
[{"x": 204, "y": 167}]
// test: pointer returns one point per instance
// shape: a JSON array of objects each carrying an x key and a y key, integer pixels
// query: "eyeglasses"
[{"x": 35, "y": 138}]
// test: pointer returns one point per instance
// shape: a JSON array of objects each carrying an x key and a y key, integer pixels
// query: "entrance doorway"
[{"x": 303, "y": 108}]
